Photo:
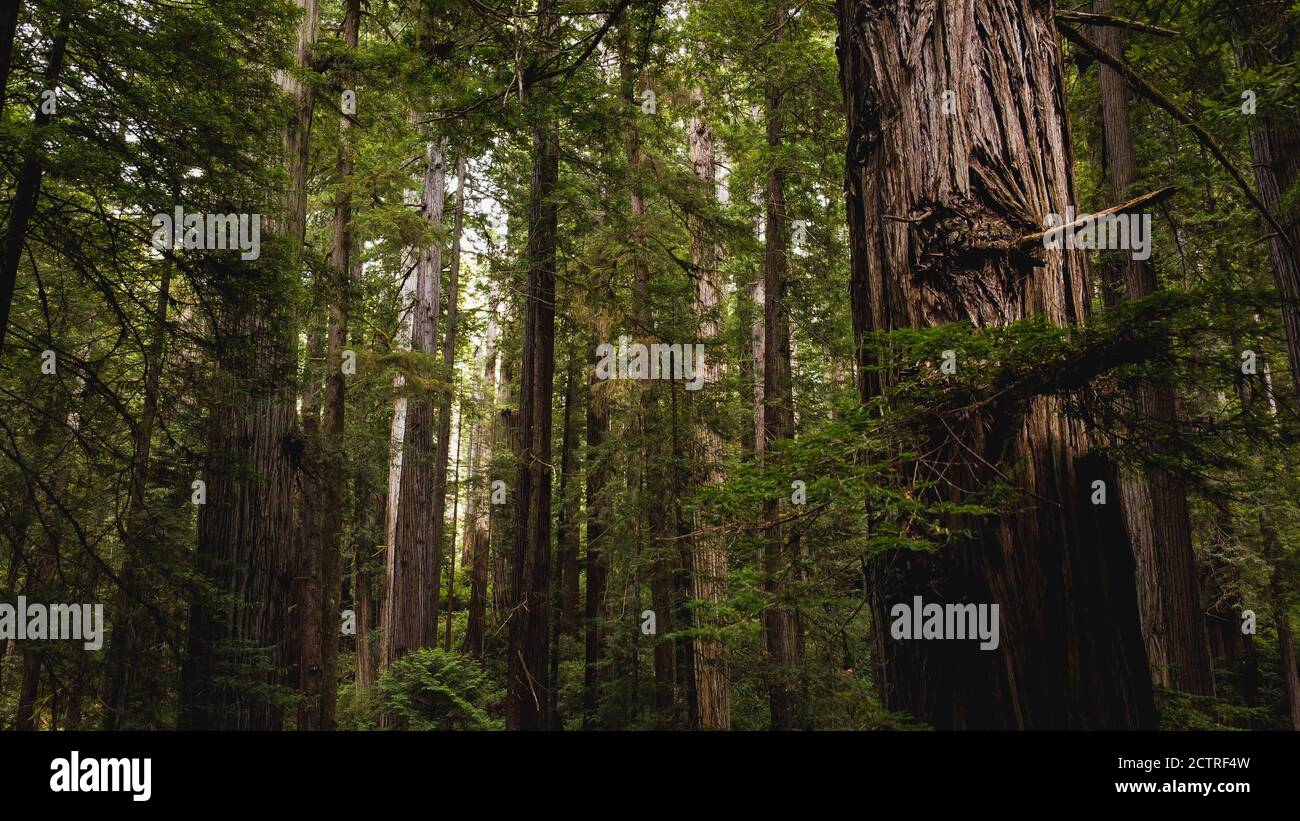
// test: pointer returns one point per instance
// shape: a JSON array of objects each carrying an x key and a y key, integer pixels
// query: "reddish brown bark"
[
  {"x": 411, "y": 598},
  {"x": 708, "y": 554},
  {"x": 1060, "y": 569}
]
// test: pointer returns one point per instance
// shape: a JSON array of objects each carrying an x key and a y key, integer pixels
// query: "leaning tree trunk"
[
  {"x": 921, "y": 186},
  {"x": 708, "y": 556},
  {"x": 22, "y": 208},
  {"x": 1155, "y": 500},
  {"x": 526, "y": 691}
]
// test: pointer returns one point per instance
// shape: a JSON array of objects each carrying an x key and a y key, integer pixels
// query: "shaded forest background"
[{"x": 374, "y": 479}]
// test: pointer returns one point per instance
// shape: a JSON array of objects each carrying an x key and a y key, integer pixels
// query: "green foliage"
[{"x": 431, "y": 689}]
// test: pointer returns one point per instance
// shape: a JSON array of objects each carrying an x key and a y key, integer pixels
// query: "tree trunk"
[
  {"x": 411, "y": 595},
  {"x": 23, "y": 206},
  {"x": 1154, "y": 502},
  {"x": 500, "y": 526},
  {"x": 438, "y": 503},
  {"x": 567, "y": 526},
  {"x": 778, "y": 423},
  {"x": 478, "y": 514},
  {"x": 708, "y": 556},
  {"x": 526, "y": 691},
  {"x": 1275, "y": 151},
  {"x": 246, "y": 539},
  {"x": 332, "y": 466},
  {"x": 651, "y": 490},
  {"x": 369, "y": 507},
  {"x": 8, "y": 28},
  {"x": 25, "y": 717},
  {"x": 451, "y": 553},
  {"x": 1060, "y": 569},
  {"x": 597, "y": 473},
  {"x": 1285, "y": 642},
  {"x": 306, "y": 626},
  {"x": 397, "y": 428}
]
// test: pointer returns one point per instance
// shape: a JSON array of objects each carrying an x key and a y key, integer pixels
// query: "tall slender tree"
[
  {"x": 1155, "y": 501},
  {"x": 526, "y": 691}
]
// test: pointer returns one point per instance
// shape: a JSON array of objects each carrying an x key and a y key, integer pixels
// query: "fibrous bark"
[
  {"x": 929, "y": 174},
  {"x": 708, "y": 554},
  {"x": 411, "y": 595}
]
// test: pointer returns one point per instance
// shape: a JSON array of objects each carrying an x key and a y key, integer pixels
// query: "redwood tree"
[
  {"x": 526, "y": 691},
  {"x": 957, "y": 128}
]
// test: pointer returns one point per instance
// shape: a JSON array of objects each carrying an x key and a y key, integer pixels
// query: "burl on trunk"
[{"x": 957, "y": 134}]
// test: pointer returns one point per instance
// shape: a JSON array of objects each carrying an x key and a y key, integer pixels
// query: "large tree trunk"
[
  {"x": 397, "y": 425},
  {"x": 1155, "y": 501},
  {"x": 708, "y": 556},
  {"x": 1060, "y": 569},
  {"x": 411, "y": 595},
  {"x": 246, "y": 539},
  {"x": 526, "y": 690}
]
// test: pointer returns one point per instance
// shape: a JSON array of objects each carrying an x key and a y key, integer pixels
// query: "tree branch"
[
  {"x": 1156, "y": 96},
  {"x": 1091, "y": 19}
]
